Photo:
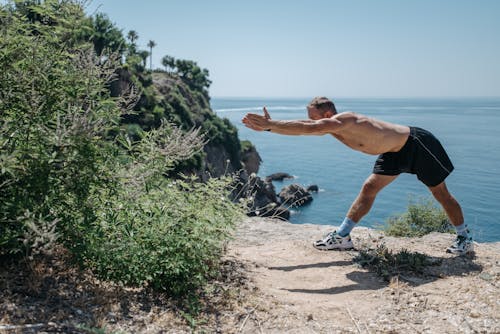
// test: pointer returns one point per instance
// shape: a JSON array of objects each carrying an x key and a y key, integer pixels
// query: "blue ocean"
[{"x": 468, "y": 128}]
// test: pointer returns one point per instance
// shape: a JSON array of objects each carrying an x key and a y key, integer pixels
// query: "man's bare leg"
[
  {"x": 371, "y": 187},
  {"x": 340, "y": 239},
  {"x": 449, "y": 203},
  {"x": 463, "y": 243}
]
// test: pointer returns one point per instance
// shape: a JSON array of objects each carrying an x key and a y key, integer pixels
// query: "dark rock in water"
[
  {"x": 294, "y": 195},
  {"x": 313, "y": 188},
  {"x": 260, "y": 196},
  {"x": 251, "y": 160},
  {"x": 278, "y": 177}
]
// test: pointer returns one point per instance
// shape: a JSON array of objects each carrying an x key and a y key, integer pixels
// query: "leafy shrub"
[
  {"x": 388, "y": 264},
  {"x": 154, "y": 231},
  {"x": 54, "y": 112},
  {"x": 422, "y": 217},
  {"x": 65, "y": 179},
  {"x": 246, "y": 145},
  {"x": 170, "y": 237}
]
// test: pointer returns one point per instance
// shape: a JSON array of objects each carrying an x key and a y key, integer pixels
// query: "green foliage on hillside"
[
  {"x": 74, "y": 173},
  {"x": 184, "y": 101},
  {"x": 422, "y": 217}
]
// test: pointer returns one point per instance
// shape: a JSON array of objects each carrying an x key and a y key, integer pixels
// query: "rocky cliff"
[{"x": 165, "y": 96}]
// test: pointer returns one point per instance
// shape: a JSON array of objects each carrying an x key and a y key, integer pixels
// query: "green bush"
[
  {"x": 158, "y": 232},
  {"x": 54, "y": 112},
  {"x": 422, "y": 217},
  {"x": 170, "y": 237},
  {"x": 65, "y": 179},
  {"x": 246, "y": 146}
]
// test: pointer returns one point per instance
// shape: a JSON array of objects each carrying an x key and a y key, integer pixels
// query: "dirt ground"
[
  {"x": 272, "y": 281},
  {"x": 303, "y": 290}
]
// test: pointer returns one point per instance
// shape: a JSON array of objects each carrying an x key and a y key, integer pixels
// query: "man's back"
[{"x": 369, "y": 135}]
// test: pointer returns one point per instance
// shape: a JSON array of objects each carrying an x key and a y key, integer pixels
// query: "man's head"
[{"x": 321, "y": 107}]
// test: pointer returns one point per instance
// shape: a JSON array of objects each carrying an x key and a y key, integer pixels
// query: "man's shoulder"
[{"x": 348, "y": 116}]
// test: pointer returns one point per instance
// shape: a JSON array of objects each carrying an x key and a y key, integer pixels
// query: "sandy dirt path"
[{"x": 303, "y": 290}]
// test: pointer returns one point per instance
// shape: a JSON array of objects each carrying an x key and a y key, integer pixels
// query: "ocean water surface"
[{"x": 468, "y": 129}]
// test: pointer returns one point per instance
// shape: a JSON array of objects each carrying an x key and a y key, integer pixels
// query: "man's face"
[{"x": 315, "y": 113}]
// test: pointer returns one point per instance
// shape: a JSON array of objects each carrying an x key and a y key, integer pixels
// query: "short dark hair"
[{"x": 323, "y": 103}]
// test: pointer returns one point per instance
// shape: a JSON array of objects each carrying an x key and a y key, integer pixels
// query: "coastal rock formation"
[
  {"x": 165, "y": 96},
  {"x": 191, "y": 108},
  {"x": 278, "y": 177},
  {"x": 294, "y": 195},
  {"x": 260, "y": 196},
  {"x": 313, "y": 188},
  {"x": 250, "y": 159}
]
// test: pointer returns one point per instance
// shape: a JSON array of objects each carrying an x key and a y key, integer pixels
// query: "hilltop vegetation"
[{"x": 92, "y": 150}]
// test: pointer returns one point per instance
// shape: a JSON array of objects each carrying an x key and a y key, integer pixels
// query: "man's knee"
[
  {"x": 374, "y": 183},
  {"x": 441, "y": 193},
  {"x": 370, "y": 188}
]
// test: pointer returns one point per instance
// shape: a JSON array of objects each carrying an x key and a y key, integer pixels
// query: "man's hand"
[{"x": 258, "y": 122}]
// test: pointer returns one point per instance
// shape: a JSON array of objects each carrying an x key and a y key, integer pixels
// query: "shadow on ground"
[{"x": 381, "y": 269}]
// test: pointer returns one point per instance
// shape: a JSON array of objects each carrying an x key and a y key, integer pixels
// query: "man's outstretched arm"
[{"x": 291, "y": 127}]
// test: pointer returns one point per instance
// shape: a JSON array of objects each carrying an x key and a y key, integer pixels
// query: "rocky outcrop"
[
  {"x": 278, "y": 177},
  {"x": 251, "y": 160},
  {"x": 313, "y": 188},
  {"x": 259, "y": 196},
  {"x": 191, "y": 108},
  {"x": 216, "y": 162},
  {"x": 167, "y": 96},
  {"x": 294, "y": 195}
]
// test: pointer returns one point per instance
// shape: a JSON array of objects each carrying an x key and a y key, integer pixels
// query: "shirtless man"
[{"x": 400, "y": 149}]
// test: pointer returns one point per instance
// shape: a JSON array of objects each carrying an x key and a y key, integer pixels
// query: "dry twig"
[
  {"x": 245, "y": 321},
  {"x": 353, "y": 320}
]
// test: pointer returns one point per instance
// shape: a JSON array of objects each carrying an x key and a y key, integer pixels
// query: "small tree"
[
  {"x": 151, "y": 45},
  {"x": 106, "y": 36},
  {"x": 132, "y": 37},
  {"x": 192, "y": 74},
  {"x": 144, "y": 56},
  {"x": 168, "y": 62}
]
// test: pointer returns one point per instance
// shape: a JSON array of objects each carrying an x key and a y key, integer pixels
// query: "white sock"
[{"x": 462, "y": 230}]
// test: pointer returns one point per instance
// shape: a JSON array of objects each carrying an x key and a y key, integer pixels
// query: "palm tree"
[
  {"x": 151, "y": 45},
  {"x": 132, "y": 36}
]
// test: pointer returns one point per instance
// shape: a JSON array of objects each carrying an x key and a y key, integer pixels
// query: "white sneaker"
[
  {"x": 334, "y": 241},
  {"x": 462, "y": 245}
]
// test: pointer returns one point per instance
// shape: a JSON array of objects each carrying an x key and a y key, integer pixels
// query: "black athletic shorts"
[{"x": 422, "y": 155}]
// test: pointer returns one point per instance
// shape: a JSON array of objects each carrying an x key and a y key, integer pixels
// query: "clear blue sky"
[{"x": 304, "y": 48}]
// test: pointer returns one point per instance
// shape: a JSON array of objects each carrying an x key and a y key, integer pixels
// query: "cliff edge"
[
  {"x": 299, "y": 289},
  {"x": 271, "y": 281}
]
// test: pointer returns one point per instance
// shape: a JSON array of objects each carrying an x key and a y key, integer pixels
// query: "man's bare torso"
[{"x": 370, "y": 135}]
